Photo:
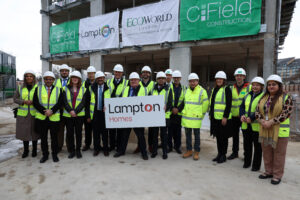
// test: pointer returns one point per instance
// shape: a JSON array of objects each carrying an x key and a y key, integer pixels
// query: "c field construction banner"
[{"x": 209, "y": 19}]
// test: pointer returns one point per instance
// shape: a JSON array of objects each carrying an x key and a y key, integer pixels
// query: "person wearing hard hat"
[
  {"x": 174, "y": 128},
  {"x": 220, "y": 115},
  {"x": 116, "y": 86},
  {"x": 161, "y": 88},
  {"x": 195, "y": 105},
  {"x": 239, "y": 90},
  {"x": 133, "y": 89},
  {"x": 250, "y": 126},
  {"x": 168, "y": 73},
  {"x": 47, "y": 100},
  {"x": 26, "y": 113},
  {"x": 97, "y": 92},
  {"x": 61, "y": 82},
  {"x": 91, "y": 71},
  {"x": 273, "y": 114}
]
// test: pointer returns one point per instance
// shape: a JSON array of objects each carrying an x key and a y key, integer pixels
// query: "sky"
[{"x": 20, "y": 33}]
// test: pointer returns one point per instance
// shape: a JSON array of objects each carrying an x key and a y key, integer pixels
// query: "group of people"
[{"x": 69, "y": 102}]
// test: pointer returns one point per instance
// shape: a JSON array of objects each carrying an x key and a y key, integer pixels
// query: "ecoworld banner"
[
  {"x": 132, "y": 112},
  {"x": 208, "y": 19},
  {"x": 100, "y": 32},
  {"x": 64, "y": 37},
  {"x": 151, "y": 24}
]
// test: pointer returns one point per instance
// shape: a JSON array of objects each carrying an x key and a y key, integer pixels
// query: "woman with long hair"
[
  {"x": 273, "y": 112},
  {"x": 26, "y": 113}
]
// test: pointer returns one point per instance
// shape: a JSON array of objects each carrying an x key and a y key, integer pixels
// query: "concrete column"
[
  {"x": 269, "y": 41},
  {"x": 252, "y": 69},
  {"x": 46, "y": 24},
  {"x": 181, "y": 59},
  {"x": 96, "y": 59}
]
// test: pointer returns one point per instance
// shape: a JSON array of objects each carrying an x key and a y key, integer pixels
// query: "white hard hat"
[
  {"x": 274, "y": 77},
  {"x": 91, "y": 69},
  {"x": 49, "y": 74},
  {"x": 161, "y": 75},
  {"x": 258, "y": 80},
  {"x": 76, "y": 74},
  {"x": 99, "y": 74},
  {"x": 239, "y": 71},
  {"x": 118, "y": 68},
  {"x": 146, "y": 69},
  {"x": 64, "y": 66},
  {"x": 193, "y": 76},
  {"x": 176, "y": 74},
  {"x": 221, "y": 74},
  {"x": 134, "y": 75},
  {"x": 29, "y": 72},
  {"x": 168, "y": 71}
]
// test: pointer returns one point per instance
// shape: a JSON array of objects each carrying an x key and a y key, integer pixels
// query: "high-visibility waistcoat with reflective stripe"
[
  {"x": 79, "y": 97},
  {"x": 181, "y": 97},
  {"x": 220, "y": 104},
  {"x": 43, "y": 99},
  {"x": 93, "y": 101},
  {"x": 150, "y": 86},
  {"x": 237, "y": 99},
  {"x": 142, "y": 92},
  {"x": 192, "y": 113},
  {"x": 255, "y": 124},
  {"x": 58, "y": 83},
  {"x": 165, "y": 93},
  {"x": 120, "y": 89},
  {"x": 26, "y": 95}
]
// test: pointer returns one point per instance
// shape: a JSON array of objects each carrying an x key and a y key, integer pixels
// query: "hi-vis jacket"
[
  {"x": 167, "y": 93},
  {"x": 25, "y": 95}
]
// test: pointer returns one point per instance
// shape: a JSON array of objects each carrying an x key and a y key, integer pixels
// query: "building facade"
[{"x": 7, "y": 75}]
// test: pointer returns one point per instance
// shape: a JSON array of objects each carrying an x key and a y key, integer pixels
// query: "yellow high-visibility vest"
[
  {"x": 220, "y": 104},
  {"x": 238, "y": 98},
  {"x": 26, "y": 95},
  {"x": 79, "y": 97}
]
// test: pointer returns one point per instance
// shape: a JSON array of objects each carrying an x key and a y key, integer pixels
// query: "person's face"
[
  {"x": 75, "y": 80},
  {"x": 29, "y": 78},
  {"x": 273, "y": 87},
  {"x": 134, "y": 82},
  {"x": 256, "y": 87},
  {"x": 161, "y": 81},
  {"x": 193, "y": 83},
  {"x": 177, "y": 80},
  {"x": 219, "y": 82},
  {"x": 169, "y": 78},
  {"x": 100, "y": 80},
  {"x": 240, "y": 78},
  {"x": 91, "y": 75},
  {"x": 118, "y": 75},
  {"x": 64, "y": 73},
  {"x": 48, "y": 81},
  {"x": 145, "y": 75}
]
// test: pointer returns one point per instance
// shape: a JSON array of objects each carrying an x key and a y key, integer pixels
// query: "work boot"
[
  {"x": 196, "y": 155},
  {"x": 187, "y": 154}
]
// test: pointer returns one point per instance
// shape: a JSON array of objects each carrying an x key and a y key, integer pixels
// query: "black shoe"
[
  {"x": 118, "y": 154},
  {"x": 169, "y": 150},
  {"x": 106, "y": 153},
  {"x": 165, "y": 156},
  {"x": 178, "y": 151},
  {"x": 265, "y": 176},
  {"x": 71, "y": 155},
  {"x": 34, "y": 153},
  {"x": 78, "y": 154},
  {"x": 222, "y": 159},
  {"x": 153, "y": 155},
  {"x": 85, "y": 148},
  {"x": 233, "y": 156},
  {"x": 255, "y": 169},
  {"x": 111, "y": 148},
  {"x": 55, "y": 158},
  {"x": 44, "y": 159},
  {"x": 216, "y": 158},
  {"x": 246, "y": 166},
  {"x": 96, "y": 153},
  {"x": 25, "y": 154},
  {"x": 275, "y": 182},
  {"x": 145, "y": 157}
]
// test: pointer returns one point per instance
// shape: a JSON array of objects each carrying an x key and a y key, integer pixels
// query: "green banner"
[
  {"x": 64, "y": 37},
  {"x": 209, "y": 19}
]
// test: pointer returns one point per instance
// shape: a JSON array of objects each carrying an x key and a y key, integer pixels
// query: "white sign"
[
  {"x": 100, "y": 32},
  {"x": 151, "y": 24},
  {"x": 134, "y": 112}
]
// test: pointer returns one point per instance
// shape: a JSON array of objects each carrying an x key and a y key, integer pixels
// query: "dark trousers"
[
  {"x": 115, "y": 137},
  {"x": 250, "y": 140},
  {"x": 46, "y": 125},
  {"x": 61, "y": 133},
  {"x": 139, "y": 132},
  {"x": 163, "y": 137},
  {"x": 174, "y": 133},
  {"x": 88, "y": 133},
  {"x": 26, "y": 145},
  {"x": 99, "y": 130},
  {"x": 74, "y": 127},
  {"x": 221, "y": 133},
  {"x": 150, "y": 136},
  {"x": 236, "y": 125}
]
